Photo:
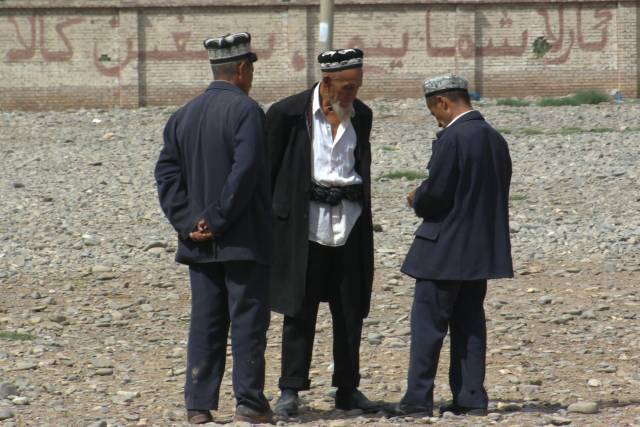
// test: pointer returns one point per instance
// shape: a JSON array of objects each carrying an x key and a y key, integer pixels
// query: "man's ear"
[
  {"x": 443, "y": 100},
  {"x": 326, "y": 80}
]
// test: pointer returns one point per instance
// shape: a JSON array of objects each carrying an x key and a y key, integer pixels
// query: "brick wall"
[{"x": 130, "y": 53}]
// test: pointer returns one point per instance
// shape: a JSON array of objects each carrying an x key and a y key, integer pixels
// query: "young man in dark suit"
[
  {"x": 463, "y": 241},
  {"x": 323, "y": 233},
  {"x": 213, "y": 184}
]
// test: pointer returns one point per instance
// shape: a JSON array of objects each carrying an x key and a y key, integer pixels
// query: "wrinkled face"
[{"x": 343, "y": 86}]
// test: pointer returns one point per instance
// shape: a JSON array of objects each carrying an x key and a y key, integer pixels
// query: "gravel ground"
[{"x": 94, "y": 312}]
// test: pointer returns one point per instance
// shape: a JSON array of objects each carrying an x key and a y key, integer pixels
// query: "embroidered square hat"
[
  {"x": 230, "y": 48},
  {"x": 338, "y": 60}
]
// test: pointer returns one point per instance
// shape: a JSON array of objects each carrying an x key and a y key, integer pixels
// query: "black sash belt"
[{"x": 334, "y": 195}]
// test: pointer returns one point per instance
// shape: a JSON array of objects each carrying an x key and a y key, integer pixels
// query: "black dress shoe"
[
  {"x": 199, "y": 416},
  {"x": 402, "y": 410},
  {"x": 461, "y": 410},
  {"x": 288, "y": 403},
  {"x": 251, "y": 416},
  {"x": 349, "y": 399}
]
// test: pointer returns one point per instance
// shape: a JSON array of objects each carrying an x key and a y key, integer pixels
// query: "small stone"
[
  {"x": 588, "y": 314},
  {"x": 509, "y": 406},
  {"x": 402, "y": 332},
  {"x": 560, "y": 421},
  {"x": 116, "y": 315},
  {"x": 58, "y": 318},
  {"x": 90, "y": 240},
  {"x": 102, "y": 363},
  {"x": 20, "y": 400},
  {"x": 7, "y": 389},
  {"x": 129, "y": 395},
  {"x": 156, "y": 251},
  {"x": 147, "y": 308},
  {"x": 583, "y": 407},
  {"x": 6, "y": 413},
  {"x": 101, "y": 423},
  {"x": 375, "y": 338},
  {"x": 104, "y": 372},
  {"x": 394, "y": 343},
  {"x": 594, "y": 383},
  {"x": 153, "y": 245},
  {"x": 544, "y": 300},
  {"x": 25, "y": 366},
  {"x": 96, "y": 269}
]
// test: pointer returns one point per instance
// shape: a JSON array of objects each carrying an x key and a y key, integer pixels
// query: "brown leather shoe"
[
  {"x": 248, "y": 415},
  {"x": 199, "y": 416}
]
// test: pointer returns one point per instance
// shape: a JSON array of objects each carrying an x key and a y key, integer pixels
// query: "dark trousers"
[
  {"x": 457, "y": 305},
  {"x": 226, "y": 293},
  {"x": 332, "y": 275}
]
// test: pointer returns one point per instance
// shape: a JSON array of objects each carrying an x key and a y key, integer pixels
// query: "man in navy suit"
[
  {"x": 213, "y": 185},
  {"x": 463, "y": 241}
]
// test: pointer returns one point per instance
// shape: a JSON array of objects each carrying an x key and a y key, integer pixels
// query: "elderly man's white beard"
[{"x": 343, "y": 113}]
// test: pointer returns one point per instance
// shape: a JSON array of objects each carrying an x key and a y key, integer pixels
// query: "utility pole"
[{"x": 325, "y": 35}]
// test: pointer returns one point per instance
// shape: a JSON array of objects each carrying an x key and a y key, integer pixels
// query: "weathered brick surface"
[{"x": 128, "y": 53}]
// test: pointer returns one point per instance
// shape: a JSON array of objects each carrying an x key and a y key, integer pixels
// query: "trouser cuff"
[
  {"x": 193, "y": 403},
  {"x": 345, "y": 381},
  {"x": 294, "y": 383}
]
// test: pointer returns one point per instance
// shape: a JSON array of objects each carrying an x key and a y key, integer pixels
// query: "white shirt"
[
  {"x": 457, "y": 117},
  {"x": 332, "y": 165}
]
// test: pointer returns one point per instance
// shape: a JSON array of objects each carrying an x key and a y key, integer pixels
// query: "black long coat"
[
  {"x": 290, "y": 159},
  {"x": 464, "y": 206},
  {"x": 214, "y": 166}
]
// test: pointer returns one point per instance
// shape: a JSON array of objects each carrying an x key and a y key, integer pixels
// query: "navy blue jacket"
[
  {"x": 214, "y": 166},
  {"x": 464, "y": 205}
]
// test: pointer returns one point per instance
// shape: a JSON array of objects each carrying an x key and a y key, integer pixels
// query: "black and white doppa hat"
[
  {"x": 338, "y": 60},
  {"x": 230, "y": 48}
]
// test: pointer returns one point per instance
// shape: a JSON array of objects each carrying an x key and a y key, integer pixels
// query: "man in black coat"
[
  {"x": 463, "y": 241},
  {"x": 213, "y": 185},
  {"x": 323, "y": 232}
]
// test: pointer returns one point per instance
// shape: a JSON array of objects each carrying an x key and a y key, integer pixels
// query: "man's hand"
[
  {"x": 201, "y": 233},
  {"x": 410, "y": 197}
]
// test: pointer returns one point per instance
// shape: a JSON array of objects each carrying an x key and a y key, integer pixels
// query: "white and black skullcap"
[
  {"x": 230, "y": 48},
  {"x": 445, "y": 83},
  {"x": 338, "y": 60}
]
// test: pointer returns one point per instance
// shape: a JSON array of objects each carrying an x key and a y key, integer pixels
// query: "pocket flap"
[{"x": 429, "y": 230}]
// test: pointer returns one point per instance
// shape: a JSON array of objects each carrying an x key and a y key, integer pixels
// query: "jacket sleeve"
[
  {"x": 275, "y": 141},
  {"x": 436, "y": 194},
  {"x": 248, "y": 150},
  {"x": 172, "y": 189}
]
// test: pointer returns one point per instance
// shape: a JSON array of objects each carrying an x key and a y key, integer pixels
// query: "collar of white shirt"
[{"x": 457, "y": 117}]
